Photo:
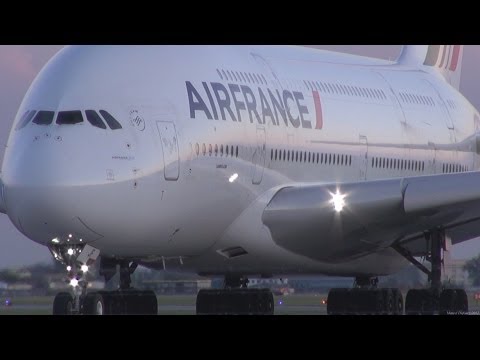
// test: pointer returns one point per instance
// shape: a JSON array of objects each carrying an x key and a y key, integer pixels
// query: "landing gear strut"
[
  {"x": 365, "y": 298},
  {"x": 125, "y": 300},
  {"x": 235, "y": 299},
  {"x": 435, "y": 299}
]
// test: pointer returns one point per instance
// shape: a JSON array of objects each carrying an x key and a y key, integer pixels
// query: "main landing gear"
[
  {"x": 364, "y": 299},
  {"x": 235, "y": 299},
  {"x": 124, "y": 301},
  {"x": 435, "y": 299}
]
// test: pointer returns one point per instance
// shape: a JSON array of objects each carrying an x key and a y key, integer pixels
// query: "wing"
[{"x": 335, "y": 222}]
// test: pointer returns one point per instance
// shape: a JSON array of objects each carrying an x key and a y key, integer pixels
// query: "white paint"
[{"x": 59, "y": 188}]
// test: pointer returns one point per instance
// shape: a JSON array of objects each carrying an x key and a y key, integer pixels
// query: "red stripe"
[
  {"x": 455, "y": 56},
  {"x": 443, "y": 55},
  {"x": 318, "y": 110}
]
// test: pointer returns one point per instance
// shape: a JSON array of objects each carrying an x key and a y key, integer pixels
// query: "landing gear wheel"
[
  {"x": 448, "y": 301},
  {"x": 412, "y": 302},
  {"x": 389, "y": 298},
  {"x": 462, "y": 301},
  {"x": 336, "y": 301},
  {"x": 144, "y": 303},
  {"x": 398, "y": 302},
  {"x": 94, "y": 304},
  {"x": 63, "y": 304}
]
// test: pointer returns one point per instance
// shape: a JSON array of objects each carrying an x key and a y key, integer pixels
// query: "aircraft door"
[
  {"x": 259, "y": 157},
  {"x": 169, "y": 142},
  {"x": 363, "y": 157}
]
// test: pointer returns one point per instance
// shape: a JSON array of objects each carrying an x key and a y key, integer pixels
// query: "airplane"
[{"x": 242, "y": 161}]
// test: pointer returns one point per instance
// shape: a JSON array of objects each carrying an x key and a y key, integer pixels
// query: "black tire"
[
  {"x": 398, "y": 302},
  {"x": 412, "y": 302},
  {"x": 448, "y": 301},
  {"x": 94, "y": 304},
  {"x": 149, "y": 303},
  {"x": 389, "y": 304},
  {"x": 336, "y": 301},
  {"x": 380, "y": 301},
  {"x": 63, "y": 304},
  {"x": 461, "y": 301}
]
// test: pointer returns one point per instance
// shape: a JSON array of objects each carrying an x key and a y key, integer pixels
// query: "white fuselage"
[{"x": 209, "y": 133}]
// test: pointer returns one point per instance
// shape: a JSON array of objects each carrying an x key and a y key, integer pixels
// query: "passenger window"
[
  {"x": 210, "y": 149},
  {"x": 95, "y": 119},
  {"x": 197, "y": 149},
  {"x": 112, "y": 123},
  {"x": 204, "y": 149},
  {"x": 219, "y": 74},
  {"x": 44, "y": 118},
  {"x": 221, "y": 150},
  {"x": 25, "y": 119}
]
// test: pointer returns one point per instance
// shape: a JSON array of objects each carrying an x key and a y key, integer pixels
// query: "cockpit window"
[
  {"x": 95, "y": 119},
  {"x": 44, "y": 118},
  {"x": 69, "y": 117},
  {"x": 25, "y": 119},
  {"x": 112, "y": 123}
]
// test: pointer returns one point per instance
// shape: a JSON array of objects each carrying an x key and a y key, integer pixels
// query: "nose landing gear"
[
  {"x": 76, "y": 258},
  {"x": 125, "y": 300}
]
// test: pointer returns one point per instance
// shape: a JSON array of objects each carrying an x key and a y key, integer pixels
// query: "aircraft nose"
[{"x": 44, "y": 192}]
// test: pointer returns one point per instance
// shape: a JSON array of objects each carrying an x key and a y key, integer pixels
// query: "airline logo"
[
  {"x": 443, "y": 56},
  {"x": 240, "y": 102}
]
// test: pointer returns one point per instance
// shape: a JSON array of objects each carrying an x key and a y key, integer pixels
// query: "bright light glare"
[
  {"x": 69, "y": 268},
  {"x": 233, "y": 178},
  {"x": 69, "y": 235},
  {"x": 338, "y": 201},
  {"x": 70, "y": 251},
  {"x": 84, "y": 268},
  {"x": 74, "y": 282},
  {"x": 55, "y": 241}
]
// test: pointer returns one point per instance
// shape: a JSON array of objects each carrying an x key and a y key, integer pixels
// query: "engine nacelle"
[{"x": 333, "y": 223}]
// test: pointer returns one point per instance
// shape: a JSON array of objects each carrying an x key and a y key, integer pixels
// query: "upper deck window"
[
  {"x": 25, "y": 119},
  {"x": 44, "y": 118},
  {"x": 69, "y": 117},
  {"x": 95, "y": 119},
  {"x": 112, "y": 123}
]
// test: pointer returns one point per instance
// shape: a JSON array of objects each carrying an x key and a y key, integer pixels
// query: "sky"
[{"x": 19, "y": 64}]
